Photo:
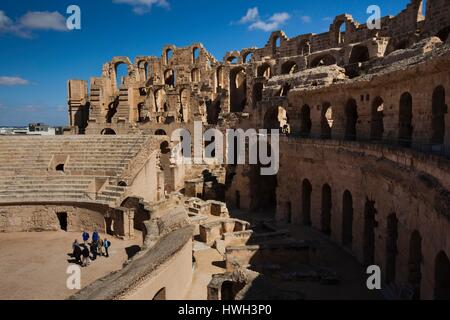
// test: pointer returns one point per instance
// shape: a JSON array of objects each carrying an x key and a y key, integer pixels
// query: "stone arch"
[
  {"x": 347, "y": 219},
  {"x": 323, "y": 60},
  {"x": 304, "y": 47},
  {"x": 108, "y": 132},
  {"x": 168, "y": 55},
  {"x": 120, "y": 71},
  {"x": 391, "y": 247},
  {"x": 415, "y": 260},
  {"x": 305, "y": 121},
  {"x": 264, "y": 70},
  {"x": 442, "y": 277},
  {"x": 326, "y": 120},
  {"x": 275, "y": 118},
  {"x": 326, "y": 209},
  {"x": 170, "y": 77},
  {"x": 238, "y": 89},
  {"x": 369, "y": 233},
  {"x": 351, "y": 120},
  {"x": 439, "y": 109},
  {"x": 195, "y": 54},
  {"x": 233, "y": 59},
  {"x": 339, "y": 29},
  {"x": 377, "y": 119},
  {"x": 306, "y": 202},
  {"x": 247, "y": 56},
  {"x": 360, "y": 53},
  {"x": 405, "y": 120},
  {"x": 289, "y": 67},
  {"x": 141, "y": 116}
]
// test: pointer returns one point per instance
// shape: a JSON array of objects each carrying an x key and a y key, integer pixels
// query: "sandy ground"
[{"x": 33, "y": 265}]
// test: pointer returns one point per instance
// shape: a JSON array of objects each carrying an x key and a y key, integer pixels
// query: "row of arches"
[
  {"x": 377, "y": 114},
  {"x": 415, "y": 260}
]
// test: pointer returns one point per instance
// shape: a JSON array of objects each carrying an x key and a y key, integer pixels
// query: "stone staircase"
[{"x": 28, "y": 172}]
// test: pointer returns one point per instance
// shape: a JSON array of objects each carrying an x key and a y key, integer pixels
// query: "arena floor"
[{"x": 33, "y": 265}]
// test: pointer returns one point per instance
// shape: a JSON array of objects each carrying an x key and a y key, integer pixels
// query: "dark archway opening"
[
  {"x": 257, "y": 93},
  {"x": 289, "y": 67},
  {"x": 306, "y": 202},
  {"x": 160, "y": 132},
  {"x": 60, "y": 167},
  {"x": 377, "y": 121},
  {"x": 347, "y": 219},
  {"x": 306, "y": 123},
  {"x": 230, "y": 289},
  {"x": 326, "y": 210},
  {"x": 108, "y": 132},
  {"x": 169, "y": 78},
  {"x": 415, "y": 264},
  {"x": 112, "y": 110},
  {"x": 238, "y": 200},
  {"x": 160, "y": 295},
  {"x": 351, "y": 114},
  {"x": 442, "y": 277},
  {"x": 359, "y": 54},
  {"x": 369, "y": 233},
  {"x": 438, "y": 118},
  {"x": 289, "y": 212},
  {"x": 443, "y": 34},
  {"x": 405, "y": 120},
  {"x": 238, "y": 90},
  {"x": 326, "y": 60},
  {"x": 391, "y": 248},
  {"x": 264, "y": 71},
  {"x": 62, "y": 218}
]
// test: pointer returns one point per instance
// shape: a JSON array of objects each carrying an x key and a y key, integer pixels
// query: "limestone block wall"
[{"x": 34, "y": 218}]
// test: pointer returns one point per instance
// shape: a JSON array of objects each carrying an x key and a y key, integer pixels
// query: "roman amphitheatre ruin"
[{"x": 364, "y": 175}]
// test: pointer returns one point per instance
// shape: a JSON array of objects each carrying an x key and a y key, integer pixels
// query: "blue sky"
[{"x": 38, "y": 56}]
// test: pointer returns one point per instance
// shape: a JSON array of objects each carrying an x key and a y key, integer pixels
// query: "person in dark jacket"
[
  {"x": 95, "y": 239},
  {"x": 94, "y": 251},
  {"x": 85, "y": 237},
  {"x": 76, "y": 252},
  {"x": 107, "y": 245},
  {"x": 85, "y": 253}
]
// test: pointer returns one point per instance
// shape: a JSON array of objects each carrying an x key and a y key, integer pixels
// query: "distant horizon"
[{"x": 39, "y": 56}]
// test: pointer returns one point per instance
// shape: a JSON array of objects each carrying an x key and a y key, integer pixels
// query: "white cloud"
[
  {"x": 271, "y": 24},
  {"x": 306, "y": 19},
  {"x": 12, "y": 81},
  {"x": 144, "y": 6},
  {"x": 31, "y": 21},
  {"x": 251, "y": 16}
]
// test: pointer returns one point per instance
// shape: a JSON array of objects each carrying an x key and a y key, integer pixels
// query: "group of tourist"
[{"x": 86, "y": 252}]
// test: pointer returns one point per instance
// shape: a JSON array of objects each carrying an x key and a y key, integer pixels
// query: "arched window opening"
[
  {"x": 442, "y": 277},
  {"x": 405, "y": 120},
  {"x": 248, "y": 57},
  {"x": 439, "y": 110},
  {"x": 377, "y": 121},
  {"x": 195, "y": 55},
  {"x": 160, "y": 132},
  {"x": 238, "y": 90},
  {"x": 326, "y": 210},
  {"x": 359, "y": 54},
  {"x": 122, "y": 184},
  {"x": 289, "y": 67},
  {"x": 60, "y": 167},
  {"x": 169, "y": 77},
  {"x": 305, "y": 119},
  {"x": 264, "y": 71},
  {"x": 233, "y": 60},
  {"x": 415, "y": 260},
  {"x": 342, "y": 30},
  {"x": 391, "y": 248},
  {"x": 306, "y": 202},
  {"x": 347, "y": 219},
  {"x": 369, "y": 233},
  {"x": 326, "y": 60},
  {"x": 169, "y": 55},
  {"x": 275, "y": 118},
  {"x": 121, "y": 72},
  {"x": 351, "y": 115}
]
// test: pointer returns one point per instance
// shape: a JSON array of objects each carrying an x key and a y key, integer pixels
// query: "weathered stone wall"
[{"x": 383, "y": 182}]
